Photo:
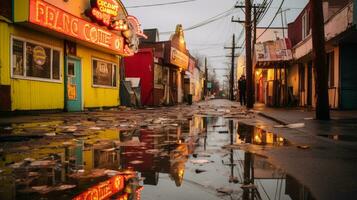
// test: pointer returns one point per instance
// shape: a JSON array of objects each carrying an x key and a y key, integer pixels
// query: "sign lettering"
[
  {"x": 179, "y": 59},
  {"x": 103, "y": 190},
  {"x": 51, "y": 17}
]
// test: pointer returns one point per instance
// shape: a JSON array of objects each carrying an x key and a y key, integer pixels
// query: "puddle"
[
  {"x": 344, "y": 138},
  {"x": 185, "y": 161},
  {"x": 254, "y": 135}
]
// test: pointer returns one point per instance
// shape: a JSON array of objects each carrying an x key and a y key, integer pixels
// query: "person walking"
[{"x": 242, "y": 86}]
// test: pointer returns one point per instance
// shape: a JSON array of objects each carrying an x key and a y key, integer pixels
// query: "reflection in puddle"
[
  {"x": 254, "y": 135},
  {"x": 169, "y": 162},
  {"x": 337, "y": 137}
]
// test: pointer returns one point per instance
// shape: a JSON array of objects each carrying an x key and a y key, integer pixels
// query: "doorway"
[{"x": 73, "y": 85}]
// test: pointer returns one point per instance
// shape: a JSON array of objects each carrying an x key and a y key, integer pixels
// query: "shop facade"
[
  {"x": 65, "y": 55},
  {"x": 272, "y": 59},
  {"x": 340, "y": 34},
  {"x": 161, "y": 66}
]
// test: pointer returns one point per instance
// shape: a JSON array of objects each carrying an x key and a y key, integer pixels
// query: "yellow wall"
[
  {"x": 4, "y": 53},
  {"x": 97, "y": 96},
  {"x": 40, "y": 95},
  {"x": 29, "y": 94}
]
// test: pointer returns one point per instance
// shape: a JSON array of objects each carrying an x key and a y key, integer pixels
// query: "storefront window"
[
  {"x": 38, "y": 61},
  {"x": 18, "y": 57},
  {"x": 32, "y": 60},
  {"x": 104, "y": 73}
]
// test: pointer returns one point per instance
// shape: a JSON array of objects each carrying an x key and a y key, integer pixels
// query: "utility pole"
[
  {"x": 319, "y": 60},
  {"x": 206, "y": 79},
  {"x": 233, "y": 56},
  {"x": 248, "y": 50}
]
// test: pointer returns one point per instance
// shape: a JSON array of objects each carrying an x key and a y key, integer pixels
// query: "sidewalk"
[{"x": 341, "y": 123}]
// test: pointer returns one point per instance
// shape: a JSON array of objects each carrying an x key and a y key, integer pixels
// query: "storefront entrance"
[{"x": 73, "y": 82}]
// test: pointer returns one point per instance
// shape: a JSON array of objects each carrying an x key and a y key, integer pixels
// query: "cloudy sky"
[{"x": 207, "y": 40}]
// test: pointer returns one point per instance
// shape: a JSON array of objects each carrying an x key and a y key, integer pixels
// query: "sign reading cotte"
[{"x": 49, "y": 16}]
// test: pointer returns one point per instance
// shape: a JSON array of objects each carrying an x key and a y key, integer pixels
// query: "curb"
[{"x": 272, "y": 118}]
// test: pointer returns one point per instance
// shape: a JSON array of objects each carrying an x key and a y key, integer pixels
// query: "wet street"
[{"x": 207, "y": 151}]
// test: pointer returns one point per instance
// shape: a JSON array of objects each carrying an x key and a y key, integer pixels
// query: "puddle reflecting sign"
[{"x": 103, "y": 190}]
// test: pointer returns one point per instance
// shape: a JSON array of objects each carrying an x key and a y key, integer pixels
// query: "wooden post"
[
  {"x": 248, "y": 52},
  {"x": 319, "y": 60}
]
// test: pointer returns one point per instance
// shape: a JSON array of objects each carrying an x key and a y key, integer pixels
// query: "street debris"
[
  {"x": 200, "y": 161},
  {"x": 303, "y": 147},
  {"x": 248, "y": 186},
  {"x": 233, "y": 179},
  {"x": 51, "y": 134},
  {"x": 296, "y": 125},
  {"x": 279, "y": 126},
  {"x": 199, "y": 171},
  {"x": 226, "y": 191},
  {"x": 136, "y": 162}
]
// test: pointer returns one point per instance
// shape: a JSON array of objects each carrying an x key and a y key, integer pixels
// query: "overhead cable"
[{"x": 161, "y": 4}]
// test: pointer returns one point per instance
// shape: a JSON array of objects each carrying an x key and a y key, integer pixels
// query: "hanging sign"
[
  {"x": 179, "y": 58},
  {"x": 51, "y": 17}
]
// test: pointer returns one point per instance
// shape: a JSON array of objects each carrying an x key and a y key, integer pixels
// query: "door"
[
  {"x": 73, "y": 80},
  {"x": 309, "y": 84}
]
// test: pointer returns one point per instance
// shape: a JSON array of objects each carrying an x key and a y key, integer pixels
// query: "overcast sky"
[{"x": 208, "y": 40}]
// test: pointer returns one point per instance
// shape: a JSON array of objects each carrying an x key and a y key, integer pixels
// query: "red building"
[{"x": 161, "y": 68}]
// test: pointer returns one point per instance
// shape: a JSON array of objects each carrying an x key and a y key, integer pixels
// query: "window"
[
  {"x": 35, "y": 61},
  {"x": 158, "y": 76},
  {"x": 70, "y": 69},
  {"x": 104, "y": 73},
  {"x": 331, "y": 66},
  {"x": 305, "y": 25}
]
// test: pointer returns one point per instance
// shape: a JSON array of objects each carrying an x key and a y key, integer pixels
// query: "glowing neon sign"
[
  {"x": 103, "y": 190},
  {"x": 103, "y": 11},
  {"x": 109, "y": 188},
  {"x": 51, "y": 17}
]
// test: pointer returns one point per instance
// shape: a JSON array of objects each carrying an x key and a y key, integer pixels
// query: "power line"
[
  {"x": 272, "y": 21},
  {"x": 205, "y": 22},
  {"x": 161, "y": 4}
]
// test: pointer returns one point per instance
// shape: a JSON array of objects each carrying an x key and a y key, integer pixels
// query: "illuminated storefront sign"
[
  {"x": 51, "y": 17},
  {"x": 103, "y": 11},
  {"x": 178, "y": 58}
]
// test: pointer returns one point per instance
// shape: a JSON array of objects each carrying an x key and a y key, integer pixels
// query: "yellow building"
[{"x": 63, "y": 55}]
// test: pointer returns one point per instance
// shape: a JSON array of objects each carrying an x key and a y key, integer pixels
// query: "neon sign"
[
  {"x": 109, "y": 188},
  {"x": 103, "y": 11},
  {"x": 110, "y": 7},
  {"x": 51, "y": 17},
  {"x": 103, "y": 190}
]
